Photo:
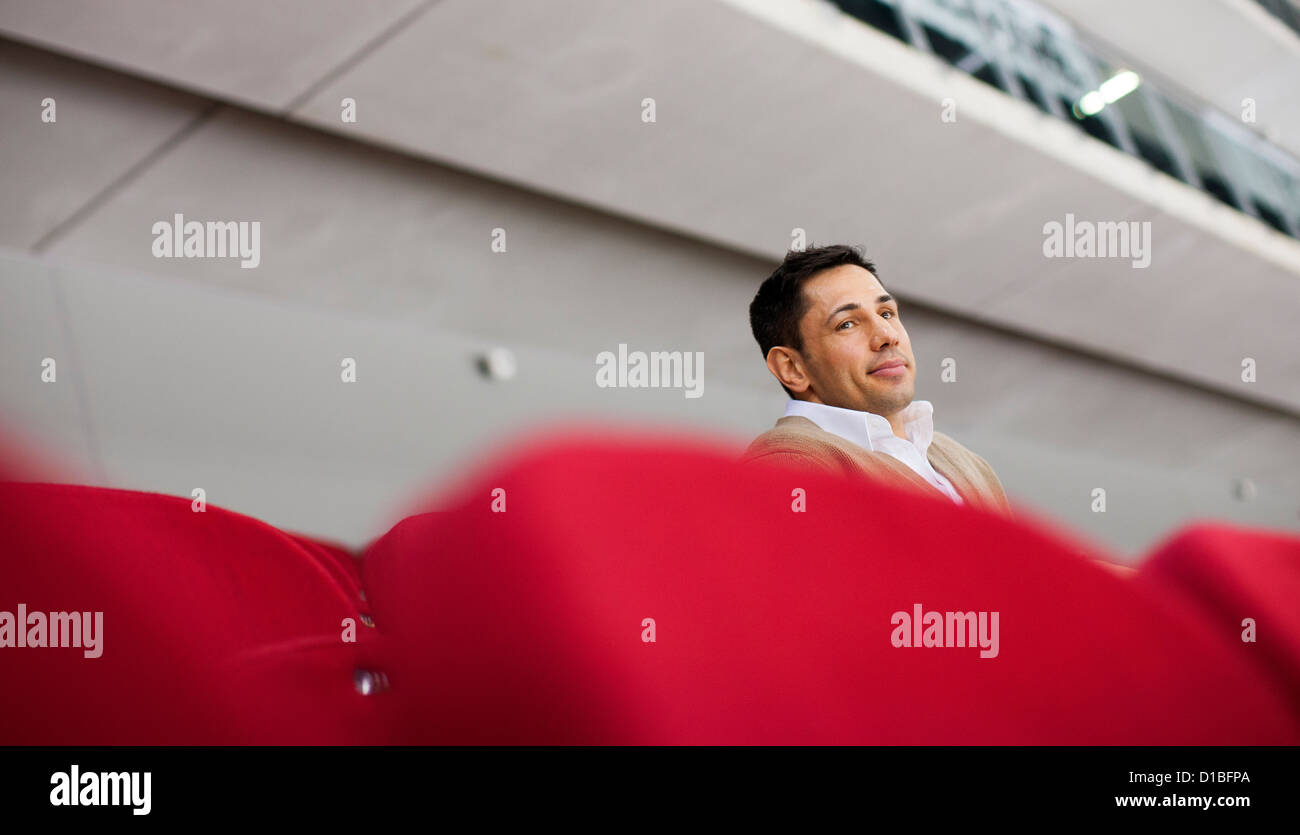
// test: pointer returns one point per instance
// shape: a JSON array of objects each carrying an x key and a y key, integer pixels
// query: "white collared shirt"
[{"x": 875, "y": 434}]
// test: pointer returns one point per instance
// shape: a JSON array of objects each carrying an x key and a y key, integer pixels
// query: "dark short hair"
[{"x": 780, "y": 303}]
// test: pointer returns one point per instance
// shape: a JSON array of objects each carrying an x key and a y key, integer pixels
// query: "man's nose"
[{"x": 884, "y": 336}]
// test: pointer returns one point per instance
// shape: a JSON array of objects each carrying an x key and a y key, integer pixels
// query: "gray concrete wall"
[{"x": 176, "y": 374}]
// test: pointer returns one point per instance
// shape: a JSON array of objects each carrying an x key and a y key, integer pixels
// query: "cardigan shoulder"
[{"x": 798, "y": 441}]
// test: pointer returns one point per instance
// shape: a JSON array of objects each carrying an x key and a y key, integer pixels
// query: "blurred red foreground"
[{"x": 526, "y": 626}]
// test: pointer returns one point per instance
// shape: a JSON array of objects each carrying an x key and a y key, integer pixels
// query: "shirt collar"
[{"x": 867, "y": 429}]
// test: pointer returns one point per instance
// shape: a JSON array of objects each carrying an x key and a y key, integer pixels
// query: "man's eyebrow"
[
  {"x": 855, "y": 306},
  {"x": 837, "y": 311}
]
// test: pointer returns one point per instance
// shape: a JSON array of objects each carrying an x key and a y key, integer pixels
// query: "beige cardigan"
[{"x": 798, "y": 441}]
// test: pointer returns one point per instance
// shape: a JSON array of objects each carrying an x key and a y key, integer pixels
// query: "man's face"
[{"x": 851, "y": 335}]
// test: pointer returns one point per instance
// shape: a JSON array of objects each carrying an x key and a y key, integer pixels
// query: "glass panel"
[
  {"x": 1261, "y": 181},
  {"x": 1191, "y": 133},
  {"x": 882, "y": 16},
  {"x": 987, "y": 38}
]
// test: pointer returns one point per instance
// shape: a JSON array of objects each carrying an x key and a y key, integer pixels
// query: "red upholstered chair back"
[{"x": 771, "y": 624}]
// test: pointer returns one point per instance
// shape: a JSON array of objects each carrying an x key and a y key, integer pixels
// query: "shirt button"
[{"x": 369, "y": 682}]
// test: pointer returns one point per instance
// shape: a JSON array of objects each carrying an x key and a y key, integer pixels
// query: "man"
[{"x": 833, "y": 338}]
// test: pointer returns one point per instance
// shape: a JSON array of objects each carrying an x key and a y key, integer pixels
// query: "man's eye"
[
  {"x": 889, "y": 312},
  {"x": 845, "y": 322}
]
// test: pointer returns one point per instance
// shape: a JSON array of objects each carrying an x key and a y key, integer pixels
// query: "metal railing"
[{"x": 1032, "y": 54}]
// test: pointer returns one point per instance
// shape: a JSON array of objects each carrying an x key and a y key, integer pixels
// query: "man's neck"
[{"x": 896, "y": 422}]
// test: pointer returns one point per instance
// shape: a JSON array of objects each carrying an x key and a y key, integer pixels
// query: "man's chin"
[
  {"x": 875, "y": 398},
  {"x": 887, "y": 400}
]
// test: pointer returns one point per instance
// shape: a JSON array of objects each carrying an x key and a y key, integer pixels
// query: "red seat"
[{"x": 526, "y": 626}]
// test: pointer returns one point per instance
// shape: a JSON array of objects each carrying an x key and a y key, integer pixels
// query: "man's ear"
[{"x": 787, "y": 367}]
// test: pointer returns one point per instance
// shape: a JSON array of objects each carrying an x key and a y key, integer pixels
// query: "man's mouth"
[{"x": 892, "y": 368}]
